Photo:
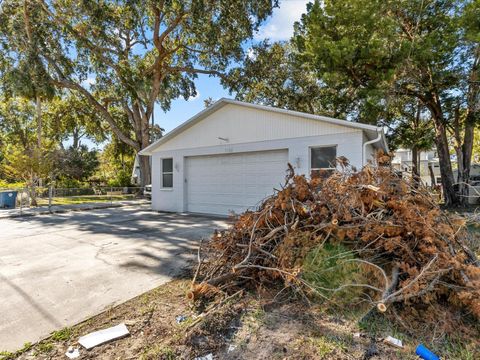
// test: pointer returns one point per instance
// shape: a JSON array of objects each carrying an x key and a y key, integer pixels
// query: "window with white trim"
[
  {"x": 323, "y": 158},
  {"x": 167, "y": 173}
]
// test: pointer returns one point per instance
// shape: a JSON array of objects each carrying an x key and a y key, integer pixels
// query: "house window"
[
  {"x": 323, "y": 158},
  {"x": 167, "y": 173}
]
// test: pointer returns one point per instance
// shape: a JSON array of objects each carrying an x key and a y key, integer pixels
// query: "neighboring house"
[
  {"x": 136, "y": 174},
  {"x": 136, "y": 177},
  {"x": 429, "y": 165},
  {"x": 233, "y": 154}
]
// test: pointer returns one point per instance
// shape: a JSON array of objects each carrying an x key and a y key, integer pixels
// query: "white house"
[
  {"x": 429, "y": 165},
  {"x": 233, "y": 154}
]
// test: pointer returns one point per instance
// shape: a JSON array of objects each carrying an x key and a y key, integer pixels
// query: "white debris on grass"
[
  {"x": 102, "y": 336},
  {"x": 393, "y": 341},
  {"x": 72, "y": 352},
  {"x": 206, "y": 357}
]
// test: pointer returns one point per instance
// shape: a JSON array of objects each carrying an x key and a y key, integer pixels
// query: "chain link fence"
[{"x": 50, "y": 198}]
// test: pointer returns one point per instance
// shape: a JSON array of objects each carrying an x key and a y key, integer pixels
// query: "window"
[
  {"x": 167, "y": 173},
  {"x": 323, "y": 157}
]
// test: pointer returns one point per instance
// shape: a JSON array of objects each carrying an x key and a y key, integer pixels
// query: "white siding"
[
  {"x": 248, "y": 130},
  {"x": 240, "y": 124},
  {"x": 175, "y": 199}
]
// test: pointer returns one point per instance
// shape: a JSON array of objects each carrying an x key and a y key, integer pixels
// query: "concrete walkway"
[{"x": 57, "y": 270}]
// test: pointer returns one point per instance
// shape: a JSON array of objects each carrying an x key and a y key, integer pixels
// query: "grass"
[
  {"x": 324, "y": 345},
  {"x": 62, "y": 335},
  {"x": 85, "y": 199},
  {"x": 10, "y": 355},
  {"x": 159, "y": 352}
]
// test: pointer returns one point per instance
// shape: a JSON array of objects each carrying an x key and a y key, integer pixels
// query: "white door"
[{"x": 220, "y": 184}]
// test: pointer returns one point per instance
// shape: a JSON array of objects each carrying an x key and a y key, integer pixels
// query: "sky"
[{"x": 278, "y": 27}]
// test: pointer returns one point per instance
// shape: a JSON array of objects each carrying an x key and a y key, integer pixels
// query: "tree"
[
  {"x": 25, "y": 75},
  {"x": 76, "y": 163},
  {"x": 412, "y": 129},
  {"x": 270, "y": 75},
  {"x": 410, "y": 48},
  {"x": 140, "y": 52},
  {"x": 70, "y": 117}
]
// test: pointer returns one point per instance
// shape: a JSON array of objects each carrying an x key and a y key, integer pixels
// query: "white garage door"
[{"x": 220, "y": 184}]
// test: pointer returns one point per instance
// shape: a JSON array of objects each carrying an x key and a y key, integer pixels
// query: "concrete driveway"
[{"x": 57, "y": 270}]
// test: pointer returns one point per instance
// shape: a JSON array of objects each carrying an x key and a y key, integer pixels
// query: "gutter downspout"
[{"x": 377, "y": 139}]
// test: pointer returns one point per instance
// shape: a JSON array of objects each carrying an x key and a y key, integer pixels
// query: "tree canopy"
[{"x": 136, "y": 53}]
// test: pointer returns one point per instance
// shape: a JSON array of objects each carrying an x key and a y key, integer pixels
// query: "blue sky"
[{"x": 278, "y": 27}]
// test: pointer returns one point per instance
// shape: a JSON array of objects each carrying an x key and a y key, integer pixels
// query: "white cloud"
[
  {"x": 88, "y": 82},
  {"x": 251, "y": 54},
  {"x": 280, "y": 25}
]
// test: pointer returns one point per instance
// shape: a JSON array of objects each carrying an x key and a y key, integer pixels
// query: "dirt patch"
[{"x": 253, "y": 328}]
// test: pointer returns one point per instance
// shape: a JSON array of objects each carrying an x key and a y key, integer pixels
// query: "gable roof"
[{"x": 371, "y": 130}]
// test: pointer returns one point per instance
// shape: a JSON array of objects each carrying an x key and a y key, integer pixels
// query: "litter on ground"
[
  {"x": 393, "y": 341},
  {"x": 102, "y": 336},
  {"x": 72, "y": 352}
]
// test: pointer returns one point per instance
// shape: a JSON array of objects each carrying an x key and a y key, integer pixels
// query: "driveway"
[{"x": 57, "y": 270}]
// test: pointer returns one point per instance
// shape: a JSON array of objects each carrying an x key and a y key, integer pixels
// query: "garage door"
[{"x": 223, "y": 183}]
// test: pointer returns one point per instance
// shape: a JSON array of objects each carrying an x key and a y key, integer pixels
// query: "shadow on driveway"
[{"x": 57, "y": 270}]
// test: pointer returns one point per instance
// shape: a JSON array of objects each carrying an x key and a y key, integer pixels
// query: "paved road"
[{"x": 57, "y": 270}]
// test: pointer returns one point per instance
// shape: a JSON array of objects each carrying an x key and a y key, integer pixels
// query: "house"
[
  {"x": 136, "y": 177},
  {"x": 231, "y": 155},
  {"x": 428, "y": 161}
]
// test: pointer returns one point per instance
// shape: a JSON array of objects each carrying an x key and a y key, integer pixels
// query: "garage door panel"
[{"x": 233, "y": 182}]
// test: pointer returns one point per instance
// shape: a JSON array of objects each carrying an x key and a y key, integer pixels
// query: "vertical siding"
[
  {"x": 348, "y": 144},
  {"x": 241, "y": 125}
]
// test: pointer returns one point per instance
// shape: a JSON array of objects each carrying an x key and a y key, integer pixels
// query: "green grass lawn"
[{"x": 72, "y": 200}]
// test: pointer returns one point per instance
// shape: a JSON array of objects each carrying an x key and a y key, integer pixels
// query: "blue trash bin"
[{"x": 8, "y": 199}]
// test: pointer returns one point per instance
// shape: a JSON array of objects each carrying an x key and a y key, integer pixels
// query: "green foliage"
[
  {"x": 270, "y": 74},
  {"x": 11, "y": 185},
  {"x": 76, "y": 163},
  {"x": 139, "y": 52},
  {"x": 27, "y": 166},
  {"x": 62, "y": 335},
  {"x": 330, "y": 266},
  {"x": 67, "y": 183},
  {"x": 121, "y": 179},
  {"x": 71, "y": 117}
]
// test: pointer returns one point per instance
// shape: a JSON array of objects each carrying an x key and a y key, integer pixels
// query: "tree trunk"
[
  {"x": 38, "y": 109},
  {"x": 432, "y": 175},
  {"x": 446, "y": 173},
  {"x": 415, "y": 167},
  {"x": 76, "y": 138},
  {"x": 145, "y": 171}
]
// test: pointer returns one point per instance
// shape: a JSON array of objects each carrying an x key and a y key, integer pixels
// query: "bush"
[
  {"x": 122, "y": 179},
  {"x": 71, "y": 183},
  {"x": 15, "y": 185}
]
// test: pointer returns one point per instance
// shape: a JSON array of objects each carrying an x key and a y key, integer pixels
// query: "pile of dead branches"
[{"x": 414, "y": 251}]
